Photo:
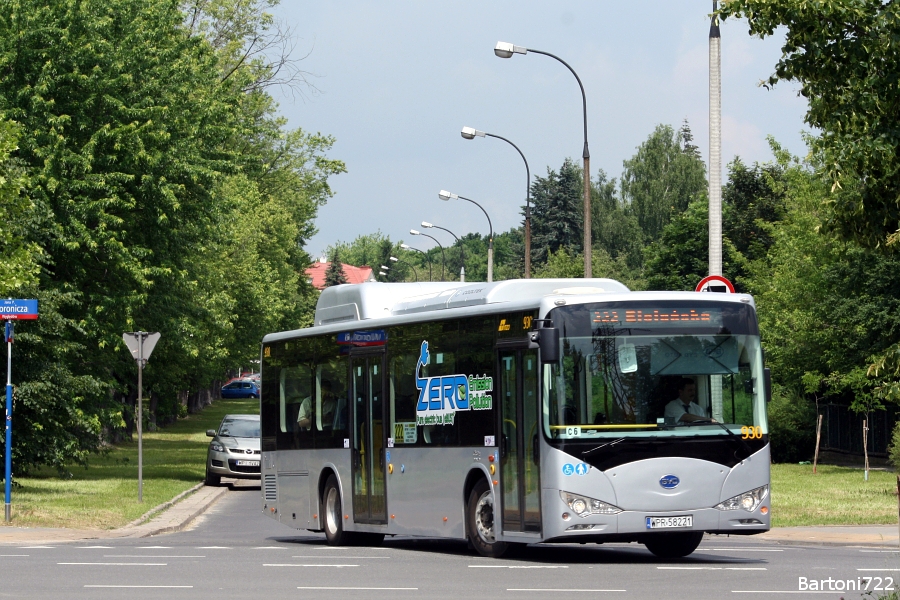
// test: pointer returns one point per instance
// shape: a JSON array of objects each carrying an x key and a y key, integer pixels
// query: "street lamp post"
[
  {"x": 416, "y": 273},
  {"x": 506, "y": 50},
  {"x": 443, "y": 257},
  {"x": 446, "y": 196},
  {"x": 462, "y": 253},
  {"x": 470, "y": 133},
  {"x": 408, "y": 247}
]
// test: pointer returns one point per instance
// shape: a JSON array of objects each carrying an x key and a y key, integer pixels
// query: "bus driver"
[{"x": 684, "y": 408}]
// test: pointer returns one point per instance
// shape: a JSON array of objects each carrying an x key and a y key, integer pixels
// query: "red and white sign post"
[{"x": 715, "y": 283}]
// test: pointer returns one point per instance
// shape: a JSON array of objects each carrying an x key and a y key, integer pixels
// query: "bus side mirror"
[
  {"x": 548, "y": 341},
  {"x": 767, "y": 378}
]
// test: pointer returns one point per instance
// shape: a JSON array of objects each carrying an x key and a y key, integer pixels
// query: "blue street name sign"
[{"x": 18, "y": 309}]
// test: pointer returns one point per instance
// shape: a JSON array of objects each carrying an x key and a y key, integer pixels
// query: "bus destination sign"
[
  {"x": 18, "y": 309},
  {"x": 665, "y": 317}
]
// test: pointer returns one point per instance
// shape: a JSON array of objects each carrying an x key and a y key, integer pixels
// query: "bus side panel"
[
  {"x": 293, "y": 488},
  {"x": 425, "y": 491}
]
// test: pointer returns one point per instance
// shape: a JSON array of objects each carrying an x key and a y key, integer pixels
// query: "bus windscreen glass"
[{"x": 664, "y": 369}]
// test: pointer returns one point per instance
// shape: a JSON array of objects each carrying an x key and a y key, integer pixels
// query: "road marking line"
[
  {"x": 518, "y": 567},
  {"x": 783, "y": 592},
  {"x": 372, "y": 557},
  {"x": 115, "y": 564},
  {"x": 878, "y": 569},
  {"x": 154, "y": 556},
  {"x": 558, "y": 590},
  {"x": 356, "y": 588},
  {"x": 138, "y": 586},
  {"x": 296, "y": 565},
  {"x": 713, "y": 568},
  {"x": 25, "y": 547},
  {"x": 11, "y": 555},
  {"x": 739, "y": 549}
]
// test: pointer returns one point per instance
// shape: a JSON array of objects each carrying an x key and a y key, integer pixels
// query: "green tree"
[
  {"x": 556, "y": 219},
  {"x": 660, "y": 180},
  {"x": 334, "y": 274},
  {"x": 680, "y": 257},
  {"x": 755, "y": 197},
  {"x": 842, "y": 53}
]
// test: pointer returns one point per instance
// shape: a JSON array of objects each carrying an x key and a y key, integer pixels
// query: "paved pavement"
[{"x": 177, "y": 514}]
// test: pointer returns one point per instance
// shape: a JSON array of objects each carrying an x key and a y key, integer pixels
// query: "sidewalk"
[
  {"x": 171, "y": 516},
  {"x": 885, "y": 536}
]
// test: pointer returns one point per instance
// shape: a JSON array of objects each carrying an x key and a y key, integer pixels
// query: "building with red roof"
[{"x": 316, "y": 274}]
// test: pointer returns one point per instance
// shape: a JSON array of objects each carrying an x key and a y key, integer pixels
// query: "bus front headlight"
[
  {"x": 584, "y": 506},
  {"x": 748, "y": 501}
]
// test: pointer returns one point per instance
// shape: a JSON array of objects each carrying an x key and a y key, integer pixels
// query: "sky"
[{"x": 395, "y": 82}]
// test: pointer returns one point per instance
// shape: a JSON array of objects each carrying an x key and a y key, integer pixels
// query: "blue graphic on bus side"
[
  {"x": 576, "y": 469},
  {"x": 568, "y": 469},
  {"x": 442, "y": 396}
]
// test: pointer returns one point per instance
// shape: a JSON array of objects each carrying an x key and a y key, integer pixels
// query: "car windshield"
[
  {"x": 244, "y": 428},
  {"x": 624, "y": 379}
]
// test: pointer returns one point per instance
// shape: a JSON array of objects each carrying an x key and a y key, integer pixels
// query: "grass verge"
[
  {"x": 834, "y": 496},
  {"x": 104, "y": 495}
]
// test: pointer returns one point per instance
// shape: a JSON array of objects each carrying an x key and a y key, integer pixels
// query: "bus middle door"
[{"x": 368, "y": 438}]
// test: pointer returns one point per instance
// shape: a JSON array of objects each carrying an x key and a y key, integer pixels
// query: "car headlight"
[
  {"x": 217, "y": 447},
  {"x": 584, "y": 506},
  {"x": 748, "y": 501}
]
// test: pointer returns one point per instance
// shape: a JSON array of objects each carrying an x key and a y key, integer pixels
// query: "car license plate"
[
  {"x": 670, "y": 522},
  {"x": 247, "y": 463}
]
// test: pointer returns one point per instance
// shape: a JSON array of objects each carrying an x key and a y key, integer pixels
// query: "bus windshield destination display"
[{"x": 658, "y": 316}]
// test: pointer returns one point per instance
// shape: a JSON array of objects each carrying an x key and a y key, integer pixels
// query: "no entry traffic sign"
[{"x": 715, "y": 283}]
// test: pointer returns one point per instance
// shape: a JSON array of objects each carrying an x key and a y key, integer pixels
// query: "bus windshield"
[{"x": 662, "y": 369}]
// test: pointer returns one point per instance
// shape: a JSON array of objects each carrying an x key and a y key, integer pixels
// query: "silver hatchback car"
[{"x": 234, "y": 450}]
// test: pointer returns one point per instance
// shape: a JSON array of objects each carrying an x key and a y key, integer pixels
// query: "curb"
[
  {"x": 177, "y": 516},
  {"x": 161, "y": 507}
]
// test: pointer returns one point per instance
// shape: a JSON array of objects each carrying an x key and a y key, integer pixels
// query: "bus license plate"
[
  {"x": 247, "y": 463},
  {"x": 670, "y": 522}
]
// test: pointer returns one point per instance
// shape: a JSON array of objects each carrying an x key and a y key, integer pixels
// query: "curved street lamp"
[
  {"x": 470, "y": 133},
  {"x": 428, "y": 258},
  {"x": 462, "y": 252},
  {"x": 446, "y": 196},
  {"x": 416, "y": 273},
  {"x": 506, "y": 50},
  {"x": 443, "y": 258}
]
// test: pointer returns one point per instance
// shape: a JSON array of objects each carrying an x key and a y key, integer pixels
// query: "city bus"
[{"x": 517, "y": 412}]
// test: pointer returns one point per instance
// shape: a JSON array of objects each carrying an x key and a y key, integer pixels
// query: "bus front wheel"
[
  {"x": 480, "y": 523},
  {"x": 334, "y": 522},
  {"x": 674, "y": 545}
]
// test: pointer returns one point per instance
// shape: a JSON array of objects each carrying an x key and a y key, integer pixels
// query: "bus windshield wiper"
[
  {"x": 592, "y": 450},
  {"x": 733, "y": 435}
]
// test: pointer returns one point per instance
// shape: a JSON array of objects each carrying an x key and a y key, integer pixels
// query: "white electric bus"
[{"x": 515, "y": 412}]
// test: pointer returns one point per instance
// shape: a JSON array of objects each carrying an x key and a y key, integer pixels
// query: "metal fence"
[{"x": 842, "y": 429}]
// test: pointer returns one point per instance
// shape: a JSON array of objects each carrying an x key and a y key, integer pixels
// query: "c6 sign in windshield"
[{"x": 18, "y": 309}]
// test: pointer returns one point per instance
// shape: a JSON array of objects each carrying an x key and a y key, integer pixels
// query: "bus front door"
[
  {"x": 369, "y": 505},
  {"x": 519, "y": 440}
]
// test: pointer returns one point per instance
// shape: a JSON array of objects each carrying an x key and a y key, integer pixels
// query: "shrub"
[{"x": 792, "y": 426}]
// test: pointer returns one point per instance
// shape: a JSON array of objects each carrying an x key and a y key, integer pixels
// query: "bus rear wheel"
[
  {"x": 673, "y": 545},
  {"x": 481, "y": 524},
  {"x": 334, "y": 521}
]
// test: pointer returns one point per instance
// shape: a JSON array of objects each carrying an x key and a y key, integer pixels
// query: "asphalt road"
[{"x": 233, "y": 551}]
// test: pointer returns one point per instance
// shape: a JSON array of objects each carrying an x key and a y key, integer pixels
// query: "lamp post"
[
  {"x": 443, "y": 257},
  {"x": 506, "y": 50},
  {"x": 446, "y": 196},
  {"x": 462, "y": 253},
  {"x": 470, "y": 133},
  {"x": 416, "y": 273},
  {"x": 408, "y": 247}
]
